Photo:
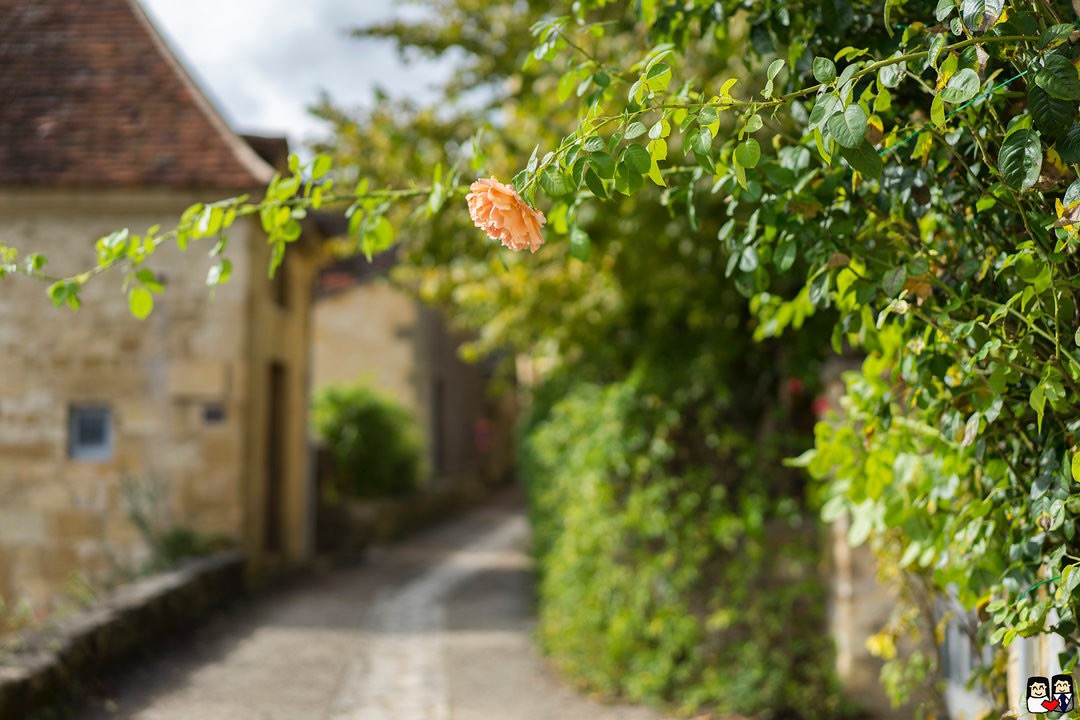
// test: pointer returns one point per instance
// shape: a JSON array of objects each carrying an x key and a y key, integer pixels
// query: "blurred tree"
[{"x": 630, "y": 300}]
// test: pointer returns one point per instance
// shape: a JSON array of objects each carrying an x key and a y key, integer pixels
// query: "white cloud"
[{"x": 263, "y": 62}]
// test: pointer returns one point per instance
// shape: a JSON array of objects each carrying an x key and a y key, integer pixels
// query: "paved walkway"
[{"x": 434, "y": 628}]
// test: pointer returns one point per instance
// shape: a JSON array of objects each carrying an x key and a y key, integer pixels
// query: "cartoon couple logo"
[{"x": 1045, "y": 696}]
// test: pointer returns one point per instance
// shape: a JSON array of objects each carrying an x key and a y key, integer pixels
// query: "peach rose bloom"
[{"x": 499, "y": 211}]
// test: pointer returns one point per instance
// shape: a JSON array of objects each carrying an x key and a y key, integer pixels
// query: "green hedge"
[
  {"x": 694, "y": 589},
  {"x": 375, "y": 443}
]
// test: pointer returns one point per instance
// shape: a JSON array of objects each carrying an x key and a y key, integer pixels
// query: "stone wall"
[
  {"x": 376, "y": 333},
  {"x": 175, "y": 384}
]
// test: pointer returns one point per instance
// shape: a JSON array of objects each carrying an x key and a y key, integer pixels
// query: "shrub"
[
  {"x": 667, "y": 578},
  {"x": 373, "y": 440}
]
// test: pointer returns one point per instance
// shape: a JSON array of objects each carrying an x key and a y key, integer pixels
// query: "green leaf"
[
  {"x": 774, "y": 69},
  {"x": 980, "y": 15},
  {"x": 864, "y": 159},
  {"x": 1058, "y": 77},
  {"x": 554, "y": 183},
  {"x": 961, "y": 87},
  {"x": 593, "y": 143},
  {"x": 824, "y": 70},
  {"x": 595, "y": 184},
  {"x": 784, "y": 255},
  {"x": 748, "y": 153},
  {"x": 701, "y": 141},
  {"x": 1052, "y": 116},
  {"x": 580, "y": 244},
  {"x": 322, "y": 165},
  {"x": 634, "y": 129},
  {"x": 937, "y": 110},
  {"x": 705, "y": 161},
  {"x": 637, "y": 158},
  {"x": 893, "y": 281},
  {"x": 1037, "y": 400},
  {"x": 891, "y": 75},
  {"x": 219, "y": 273},
  {"x": 1076, "y": 472},
  {"x": 849, "y": 127},
  {"x": 934, "y": 51},
  {"x": 140, "y": 302},
  {"x": 627, "y": 180},
  {"x": 1055, "y": 35},
  {"x": 1020, "y": 159},
  {"x": 602, "y": 164},
  {"x": 819, "y": 289},
  {"x": 748, "y": 259},
  {"x": 1068, "y": 147}
]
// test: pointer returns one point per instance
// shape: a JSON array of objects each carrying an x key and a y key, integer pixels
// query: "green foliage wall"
[{"x": 688, "y": 582}]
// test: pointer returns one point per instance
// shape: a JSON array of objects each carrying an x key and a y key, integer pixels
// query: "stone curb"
[{"x": 40, "y": 668}]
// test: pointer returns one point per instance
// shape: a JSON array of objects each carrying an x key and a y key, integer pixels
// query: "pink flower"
[{"x": 499, "y": 211}]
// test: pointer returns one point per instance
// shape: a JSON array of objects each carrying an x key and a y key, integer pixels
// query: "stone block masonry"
[{"x": 40, "y": 668}]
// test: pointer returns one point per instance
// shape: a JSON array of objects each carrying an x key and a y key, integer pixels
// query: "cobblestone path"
[{"x": 434, "y": 628}]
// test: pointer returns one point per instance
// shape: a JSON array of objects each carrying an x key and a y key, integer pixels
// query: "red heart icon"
[{"x": 1050, "y": 705}]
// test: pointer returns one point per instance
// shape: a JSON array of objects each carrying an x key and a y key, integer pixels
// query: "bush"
[
  {"x": 374, "y": 442},
  {"x": 667, "y": 578}
]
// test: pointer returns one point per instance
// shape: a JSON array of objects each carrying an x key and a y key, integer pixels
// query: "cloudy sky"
[{"x": 263, "y": 62}]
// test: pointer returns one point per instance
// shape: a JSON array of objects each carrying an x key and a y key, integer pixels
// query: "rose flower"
[{"x": 499, "y": 211}]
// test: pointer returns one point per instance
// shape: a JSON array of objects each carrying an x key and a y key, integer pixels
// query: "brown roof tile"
[{"x": 91, "y": 96}]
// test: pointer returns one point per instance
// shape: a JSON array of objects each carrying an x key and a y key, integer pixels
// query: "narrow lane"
[{"x": 434, "y": 628}]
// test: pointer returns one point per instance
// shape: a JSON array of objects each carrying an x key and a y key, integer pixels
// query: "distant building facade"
[
  {"x": 200, "y": 410},
  {"x": 368, "y": 330}
]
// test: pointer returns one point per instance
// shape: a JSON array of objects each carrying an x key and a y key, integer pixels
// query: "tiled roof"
[{"x": 90, "y": 96}]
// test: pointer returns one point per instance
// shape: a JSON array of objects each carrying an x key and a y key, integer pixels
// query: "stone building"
[
  {"x": 368, "y": 330},
  {"x": 196, "y": 415}
]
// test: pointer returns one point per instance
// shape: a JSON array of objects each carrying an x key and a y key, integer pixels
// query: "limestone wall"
[
  {"x": 379, "y": 334},
  {"x": 280, "y": 502},
  {"x": 369, "y": 333},
  {"x": 176, "y": 383}
]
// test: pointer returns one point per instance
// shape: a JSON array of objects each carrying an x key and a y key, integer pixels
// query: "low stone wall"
[
  {"x": 41, "y": 667},
  {"x": 350, "y": 527}
]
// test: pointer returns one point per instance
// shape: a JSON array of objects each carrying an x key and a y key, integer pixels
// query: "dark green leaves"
[
  {"x": 849, "y": 127},
  {"x": 1052, "y": 116},
  {"x": 863, "y": 158},
  {"x": 1058, "y": 77},
  {"x": 1069, "y": 146},
  {"x": 1020, "y": 159},
  {"x": 602, "y": 164},
  {"x": 554, "y": 183},
  {"x": 637, "y": 158}
]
